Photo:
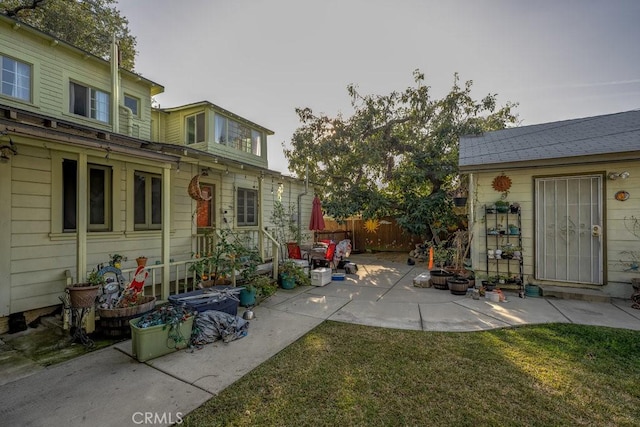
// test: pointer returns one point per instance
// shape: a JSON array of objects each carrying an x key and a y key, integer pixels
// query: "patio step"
[{"x": 565, "y": 292}]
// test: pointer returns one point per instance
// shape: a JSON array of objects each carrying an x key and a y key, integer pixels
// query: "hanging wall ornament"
[
  {"x": 195, "y": 192},
  {"x": 501, "y": 183}
]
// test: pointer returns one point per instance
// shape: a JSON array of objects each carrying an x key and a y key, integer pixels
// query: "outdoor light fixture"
[{"x": 618, "y": 175}]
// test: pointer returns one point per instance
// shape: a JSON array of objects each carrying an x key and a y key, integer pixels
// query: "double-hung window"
[
  {"x": 89, "y": 102},
  {"x": 195, "y": 128},
  {"x": 16, "y": 78},
  {"x": 147, "y": 201},
  {"x": 99, "y": 198},
  {"x": 247, "y": 207}
]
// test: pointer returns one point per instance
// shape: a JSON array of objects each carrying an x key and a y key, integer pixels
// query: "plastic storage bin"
[
  {"x": 227, "y": 305},
  {"x": 149, "y": 343},
  {"x": 320, "y": 276}
]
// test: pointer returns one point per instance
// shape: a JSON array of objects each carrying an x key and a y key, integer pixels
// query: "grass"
[{"x": 351, "y": 375}]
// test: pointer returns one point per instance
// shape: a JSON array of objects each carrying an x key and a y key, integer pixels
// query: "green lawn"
[{"x": 345, "y": 375}]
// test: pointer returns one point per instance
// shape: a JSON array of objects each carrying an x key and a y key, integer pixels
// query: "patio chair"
[{"x": 328, "y": 259}]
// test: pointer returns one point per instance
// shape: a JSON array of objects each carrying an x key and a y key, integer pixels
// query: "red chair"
[
  {"x": 294, "y": 250},
  {"x": 327, "y": 260}
]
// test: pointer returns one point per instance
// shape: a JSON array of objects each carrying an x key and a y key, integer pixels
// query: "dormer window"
[
  {"x": 195, "y": 128},
  {"x": 16, "y": 78},
  {"x": 237, "y": 135},
  {"x": 89, "y": 102}
]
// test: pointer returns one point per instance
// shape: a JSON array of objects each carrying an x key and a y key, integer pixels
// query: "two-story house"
[{"x": 89, "y": 168}]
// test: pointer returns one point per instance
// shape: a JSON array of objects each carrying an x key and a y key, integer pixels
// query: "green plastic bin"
[{"x": 152, "y": 342}]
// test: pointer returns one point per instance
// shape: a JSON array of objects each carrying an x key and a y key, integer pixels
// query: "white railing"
[{"x": 181, "y": 279}]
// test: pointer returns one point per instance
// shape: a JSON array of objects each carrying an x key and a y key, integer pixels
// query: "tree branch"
[{"x": 14, "y": 12}]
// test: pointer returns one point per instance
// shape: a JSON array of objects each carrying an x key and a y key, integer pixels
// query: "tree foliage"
[
  {"x": 88, "y": 24},
  {"x": 396, "y": 155}
]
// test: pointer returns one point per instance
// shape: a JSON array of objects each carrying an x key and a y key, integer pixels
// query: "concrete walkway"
[{"x": 110, "y": 388}]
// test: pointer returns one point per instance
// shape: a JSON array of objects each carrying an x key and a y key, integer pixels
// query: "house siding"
[
  {"x": 54, "y": 66},
  {"x": 616, "y": 237}
]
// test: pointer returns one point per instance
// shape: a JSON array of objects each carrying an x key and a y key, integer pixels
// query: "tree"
[
  {"x": 396, "y": 155},
  {"x": 88, "y": 24}
]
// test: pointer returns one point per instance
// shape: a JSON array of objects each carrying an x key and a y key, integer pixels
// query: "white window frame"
[
  {"x": 21, "y": 71},
  {"x": 242, "y": 207},
  {"x": 57, "y": 191},
  {"x": 195, "y": 128},
  {"x": 149, "y": 210},
  {"x": 132, "y": 103},
  {"x": 97, "y": 103},
  {"x": 108, "y": 185}
]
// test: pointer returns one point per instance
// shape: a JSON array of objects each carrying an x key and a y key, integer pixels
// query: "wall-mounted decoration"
[
  {"x": 622, "y": 196},
  {"x": 501, "y": 183},
  {"x": 195, "y": 192}
]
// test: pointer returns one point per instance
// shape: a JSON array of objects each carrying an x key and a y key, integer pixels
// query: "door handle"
[{"x": 596, "y": 230}]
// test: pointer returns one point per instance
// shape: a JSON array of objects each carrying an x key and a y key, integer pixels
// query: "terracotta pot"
[
  {"x": 82, "y": 296},
  {"x": 141, "y": 261}
]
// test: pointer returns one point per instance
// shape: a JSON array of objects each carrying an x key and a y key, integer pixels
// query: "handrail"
[{"x": 276, "y": 252}]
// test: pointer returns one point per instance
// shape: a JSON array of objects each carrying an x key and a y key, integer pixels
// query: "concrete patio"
[{"x": 110, "y": 388}]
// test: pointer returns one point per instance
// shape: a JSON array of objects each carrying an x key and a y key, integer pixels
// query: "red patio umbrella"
[{"x": 317, "y": 221}]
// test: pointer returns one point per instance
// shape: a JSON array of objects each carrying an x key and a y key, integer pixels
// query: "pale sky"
[{"x": 559, "y": 59}]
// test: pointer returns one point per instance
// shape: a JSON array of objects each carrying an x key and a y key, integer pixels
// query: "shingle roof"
[{"x": 607, "y": 134}]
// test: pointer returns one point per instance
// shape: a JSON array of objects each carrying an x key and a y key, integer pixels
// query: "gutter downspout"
[
  {"x": 306, "y": 190},
  {"x": 115, "y": 87}
]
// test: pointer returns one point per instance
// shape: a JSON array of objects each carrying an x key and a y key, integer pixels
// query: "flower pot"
[
  {"x": 248, "y": 297},
  {"x": 288, "y": 282},
  {"x": 82, "y": 296},
  {"x": 458, "y": 286},
  {"x": 141, "y": 261},
  {"x": 439, "y": 279},
  {"x": 459, "y": 201}
]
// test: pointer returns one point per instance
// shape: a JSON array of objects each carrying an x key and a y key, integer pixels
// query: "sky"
[{"x": 262, "y": 59}]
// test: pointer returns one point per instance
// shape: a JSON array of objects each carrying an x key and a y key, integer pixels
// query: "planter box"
[
  {"x": 152, "y": 342},
  {"x": 115, "y": 322},
  {"x": 228, "y": 305},
  {"x": 320, "y": 276}
]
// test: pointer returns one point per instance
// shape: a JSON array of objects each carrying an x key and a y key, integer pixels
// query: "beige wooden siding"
[
  {"x": 616, "y": 237},
  {"x": 53, "y": 66}
]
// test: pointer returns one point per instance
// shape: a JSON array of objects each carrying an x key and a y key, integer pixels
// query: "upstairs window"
[
  {"x": 195, "y": 128},
  {"x": 237, "y": 135},
  {"x": 133, "y": 104},
  {"x": 16, "y": 79},
  {"x": 147, "y": 201},
  {"x": 89, "y": 102},
  {"x": 247, "y": 207}
]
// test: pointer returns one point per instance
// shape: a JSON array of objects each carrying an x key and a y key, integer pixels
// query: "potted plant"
[
  {"x": 293, "y": 275},
  {"x": 141, "y": 260},
  {"x": 441, "y": 255},
  {"x": 514, "y": 230},
  {"x": 502, "y": 206},
  {"x": 220, "y": 261},
  {"x": 83, "y": 295},
  {"x": 460, "y": 197}
]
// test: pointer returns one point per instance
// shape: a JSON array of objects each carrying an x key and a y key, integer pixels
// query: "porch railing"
[{"x": 181, "y": 279}]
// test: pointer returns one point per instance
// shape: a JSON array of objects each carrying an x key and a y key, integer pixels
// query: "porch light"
[{"x": 618, "y": 175}]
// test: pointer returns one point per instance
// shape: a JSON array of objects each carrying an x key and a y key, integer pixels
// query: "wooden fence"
[{"x": 387, "y": 237}]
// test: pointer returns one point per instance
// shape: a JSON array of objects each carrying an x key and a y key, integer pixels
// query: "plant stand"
[{"x": 79, "y": 334}]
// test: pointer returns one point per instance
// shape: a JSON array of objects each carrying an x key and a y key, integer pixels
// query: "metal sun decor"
[
  {"x": 371, "y": 225},
  {"x": 501, "y": 183}
]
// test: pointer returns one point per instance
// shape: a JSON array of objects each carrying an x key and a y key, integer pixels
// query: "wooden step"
[{"x": 566, "y": 292}]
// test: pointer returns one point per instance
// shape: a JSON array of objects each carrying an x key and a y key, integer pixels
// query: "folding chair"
[{"x": 328, "y": 259}]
